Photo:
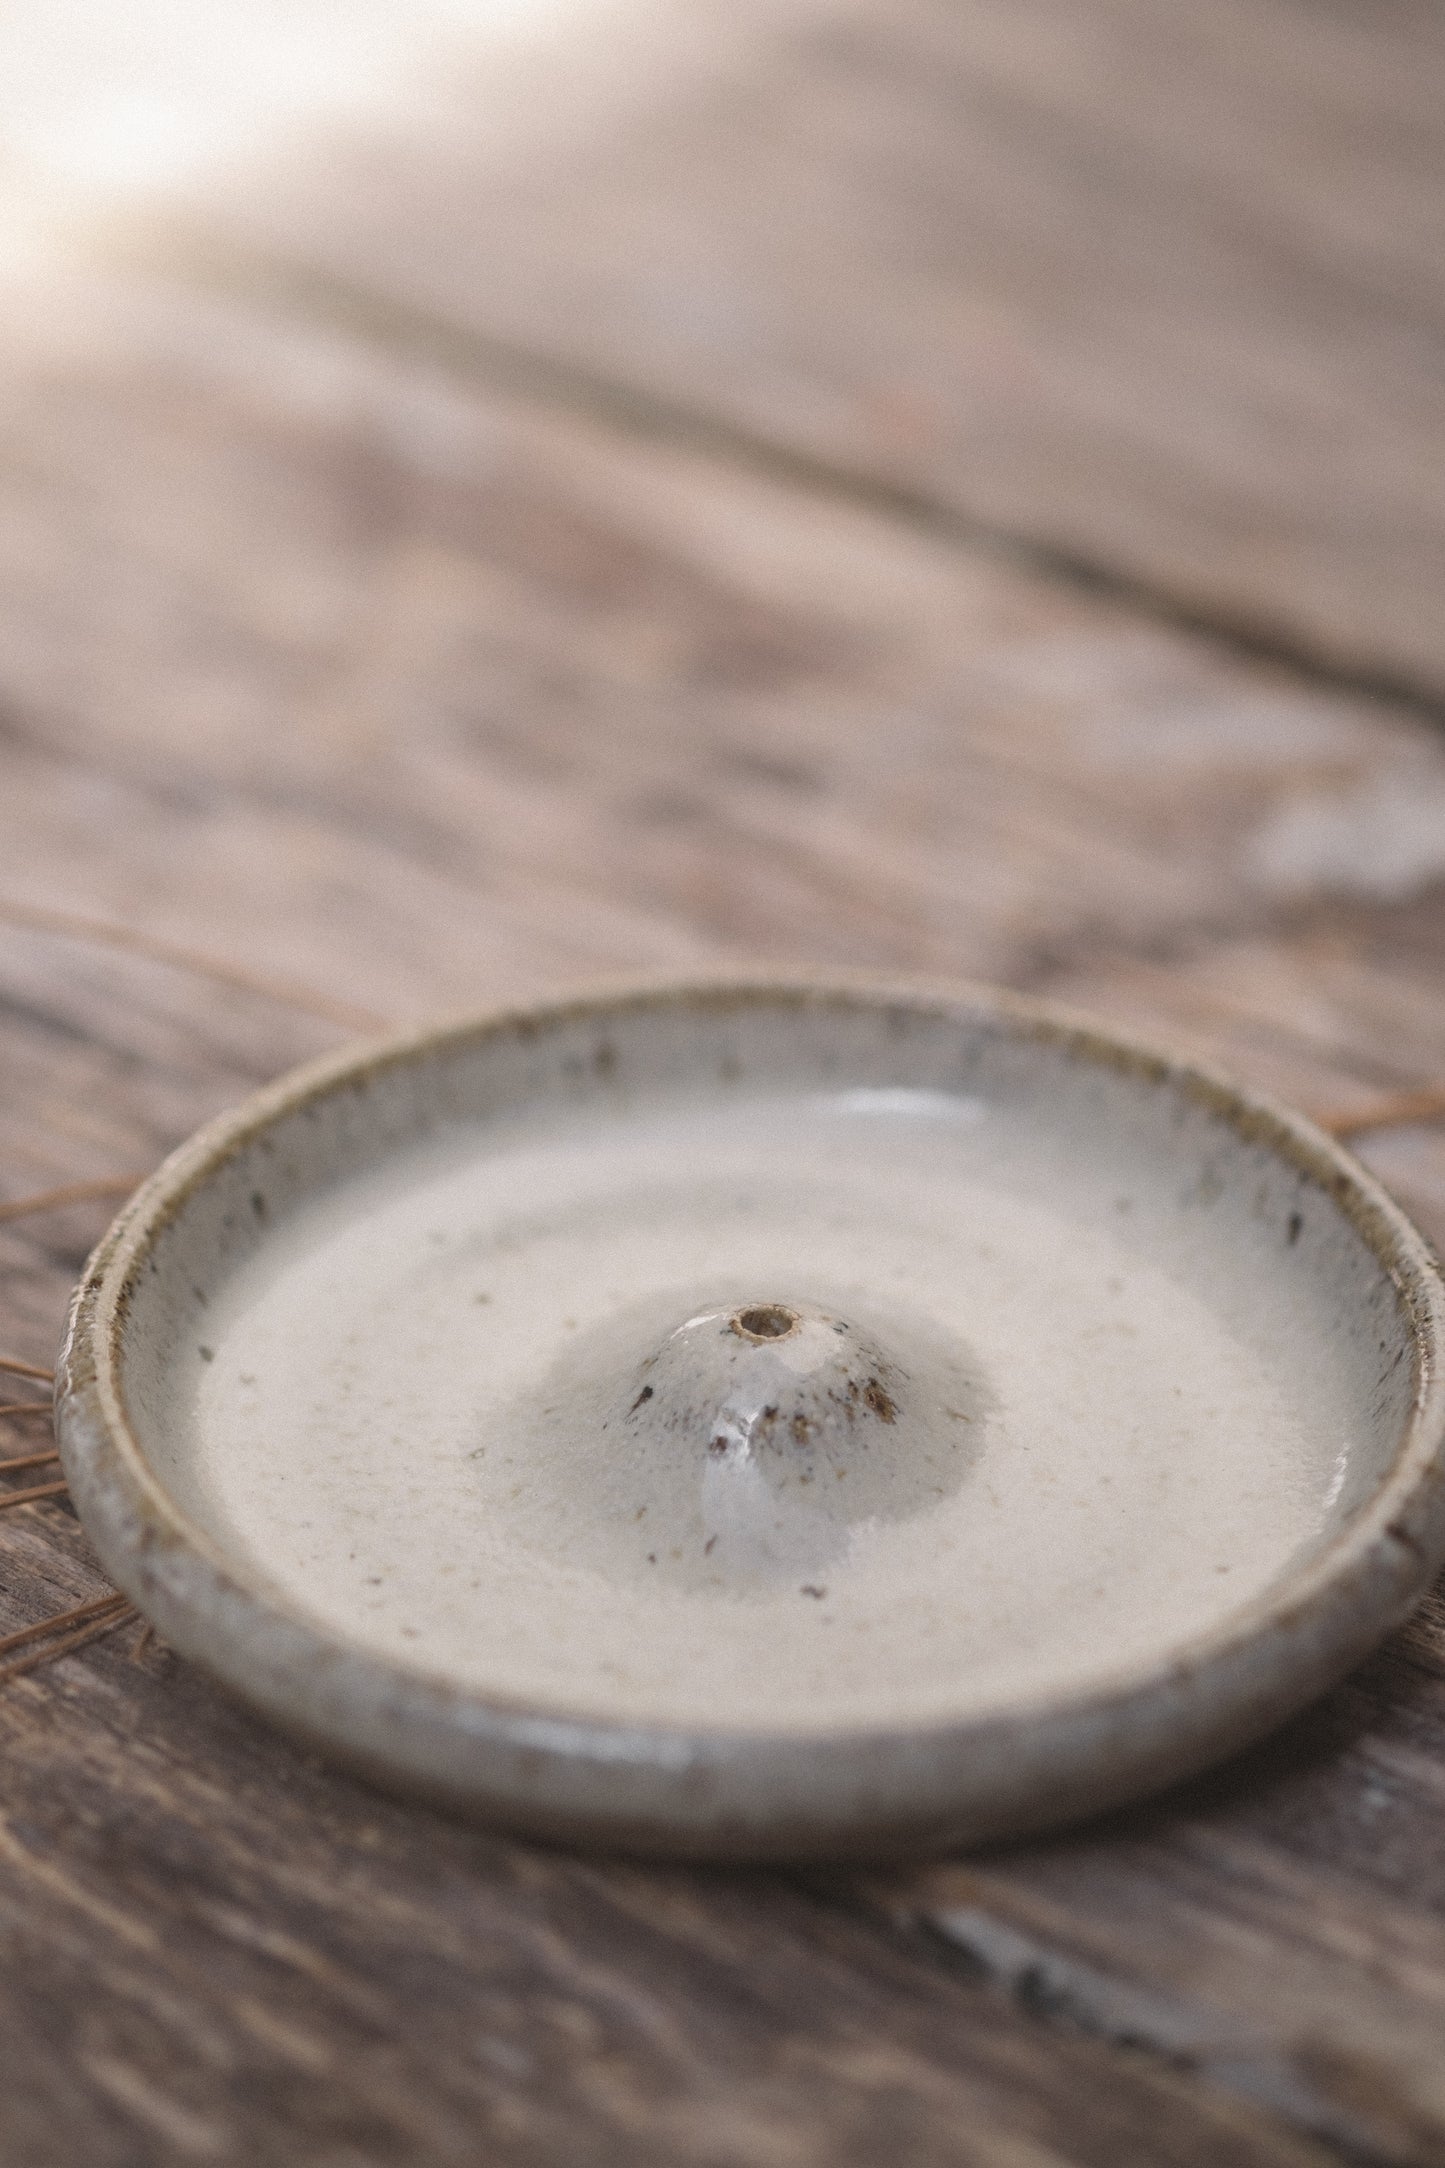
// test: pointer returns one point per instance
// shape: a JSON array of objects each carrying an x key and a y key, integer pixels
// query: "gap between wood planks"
[
  {"x": 329, "y": 301},
  {"x": 1057, "y": 1989}
]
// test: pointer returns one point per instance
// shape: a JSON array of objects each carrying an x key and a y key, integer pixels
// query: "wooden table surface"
[{"x": 656, "y": 484}]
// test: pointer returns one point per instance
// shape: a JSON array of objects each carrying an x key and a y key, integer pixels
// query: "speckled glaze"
[{"x": 755, "y": 1420}]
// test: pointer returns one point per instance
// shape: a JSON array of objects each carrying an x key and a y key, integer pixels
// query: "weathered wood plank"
[
  {"x": 431, "y": 698},
  {"x": 1156, "y": 291},
  {"x": 525, "y": 662}
]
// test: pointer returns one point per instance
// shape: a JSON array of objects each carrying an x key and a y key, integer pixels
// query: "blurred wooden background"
[{"x": 495, "y": 493}]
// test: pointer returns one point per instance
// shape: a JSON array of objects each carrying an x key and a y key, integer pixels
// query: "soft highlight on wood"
[{"x": 1149, "y": 295}]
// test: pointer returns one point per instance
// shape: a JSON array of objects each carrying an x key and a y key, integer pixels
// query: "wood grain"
[
  {"x": 341, "y": 667},
  {"x": 1155, "y": 292},
  {"x": 1280, "y": 1927},
  {"x": 218, "y": 1952}
]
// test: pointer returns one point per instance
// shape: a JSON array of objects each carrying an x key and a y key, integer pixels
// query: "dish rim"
[{"x": 731, "y": 1791}]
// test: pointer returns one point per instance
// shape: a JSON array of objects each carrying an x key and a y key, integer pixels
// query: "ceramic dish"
[{"x": 760, "y": 1420}]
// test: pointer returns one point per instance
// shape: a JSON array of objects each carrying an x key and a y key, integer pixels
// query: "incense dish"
[{"x": 760, "y": 1420}]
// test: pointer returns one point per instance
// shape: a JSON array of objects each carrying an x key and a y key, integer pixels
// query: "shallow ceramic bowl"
[{"x": 763, "y": 1420}]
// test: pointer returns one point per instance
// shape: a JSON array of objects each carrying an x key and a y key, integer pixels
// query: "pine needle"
[
  {"x": 120, "y": 1616},
  {"x": 61, "y": 1620},
  {"x": 45, "y": 918},
  {"x": 54, "y": 1200},
  {"x": 31, "y": 1497},
  {"x": 26, "y": 1370},
  {"x": 1394, "y": 1110}
]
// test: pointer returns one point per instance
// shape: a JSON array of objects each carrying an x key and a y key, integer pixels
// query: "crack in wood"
[
  {"x": 543, "y": 379},
  {"x": 1059, "y": 1989}
]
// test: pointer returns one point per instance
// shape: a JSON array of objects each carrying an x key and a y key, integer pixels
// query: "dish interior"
[{"x": 389, "y": 1357}]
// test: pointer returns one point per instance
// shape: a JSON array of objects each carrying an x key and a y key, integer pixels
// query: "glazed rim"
[{"x": 732, "y": 1792}]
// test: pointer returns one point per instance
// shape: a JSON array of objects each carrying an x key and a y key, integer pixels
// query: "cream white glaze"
[{"x": 1160, "y": 1417}]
